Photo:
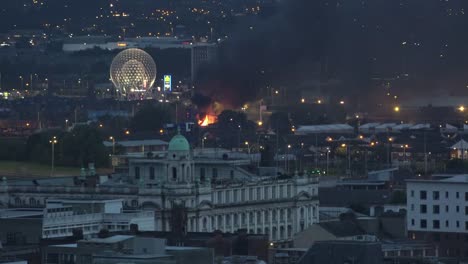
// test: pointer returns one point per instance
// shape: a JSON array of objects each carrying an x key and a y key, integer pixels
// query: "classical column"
[
  {"x": 232, "y": 222},
  {"x": 271, "y": 223},
  {"x": 278, "y": 217},
  {"x": 210, "y": 226},
  {"x": 247, "y": 218},
  {"x": 255, "y": 222},
  {"x": 224, "y": 223},
  {"x": 263, "y": 220}
]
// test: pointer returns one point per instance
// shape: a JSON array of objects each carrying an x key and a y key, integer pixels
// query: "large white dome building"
[{"x": 133, "y": 70}]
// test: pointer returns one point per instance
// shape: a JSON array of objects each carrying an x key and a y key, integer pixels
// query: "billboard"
[{"x": 167, "y": 83}]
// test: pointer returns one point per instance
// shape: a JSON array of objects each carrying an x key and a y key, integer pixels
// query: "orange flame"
[{"x": 207, "y": 120}]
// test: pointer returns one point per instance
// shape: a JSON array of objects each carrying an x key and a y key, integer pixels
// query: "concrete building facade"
[{"x": 437, "y": 212}]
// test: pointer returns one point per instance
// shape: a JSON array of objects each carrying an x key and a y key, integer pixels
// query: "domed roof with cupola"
[{"x": 179, "y": 143}]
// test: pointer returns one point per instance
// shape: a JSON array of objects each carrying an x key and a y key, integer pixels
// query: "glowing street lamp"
[
  {"x": 396, "y": 109},
  {"x": 461, "y": 108},
  {"x": 53, "y": 141},
  {"x": 404, "y": 151},
  {"x": 113, "y": 144}
]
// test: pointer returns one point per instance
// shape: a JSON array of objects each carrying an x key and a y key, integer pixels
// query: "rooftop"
[
  {"x": 20, "y": 213},
  {"x": 137, "y": 143},
  {"x": 66, "y": 245},
  {"x": 83, "y": 200},
  {"x": 344, "y": 228},
  {"x": 109, "y": 240},
  {"x": 460, "y": 178}
]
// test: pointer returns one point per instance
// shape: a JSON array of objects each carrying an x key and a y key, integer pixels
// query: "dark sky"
[{"x": 420, "y": 41}]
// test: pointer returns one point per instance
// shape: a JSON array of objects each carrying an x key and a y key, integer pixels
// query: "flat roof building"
[{"x": 437, "y": 212}]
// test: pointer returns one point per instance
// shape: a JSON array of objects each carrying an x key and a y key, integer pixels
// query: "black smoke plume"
[
  {"x": 283, "y": 49},
  {"x": 419, "y": 45}
]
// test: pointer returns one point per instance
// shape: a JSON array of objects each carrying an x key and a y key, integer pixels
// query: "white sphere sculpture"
[{"x": 133, "y": 70}]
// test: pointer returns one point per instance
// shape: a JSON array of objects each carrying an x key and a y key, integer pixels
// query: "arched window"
[{"x": 281, "y": 236}]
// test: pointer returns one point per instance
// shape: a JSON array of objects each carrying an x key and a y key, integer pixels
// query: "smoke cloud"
[
  {"x": 420, "y": 45},
  {"x": 280, "y": 49}
]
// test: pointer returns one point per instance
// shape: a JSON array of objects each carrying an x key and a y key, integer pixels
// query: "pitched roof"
[{"x": 344, "y": 228}]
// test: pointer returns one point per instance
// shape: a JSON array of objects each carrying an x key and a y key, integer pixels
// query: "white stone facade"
[
  {"x": 438, "y": 205},
  {"x": 280, "y": 208}
]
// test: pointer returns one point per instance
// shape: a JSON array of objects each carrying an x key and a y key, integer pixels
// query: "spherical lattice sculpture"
[{"x": 133, "y": 70}]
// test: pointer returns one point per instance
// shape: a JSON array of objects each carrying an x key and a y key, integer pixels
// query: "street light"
[
  {"x": 396, "y": 109},
  {"x": 461, "y": 108},
  {"x": 66, "y": 124},
  {"x": 22, "y": 81},
  {"x": 203, "y": 142},
  {"x": 113, "y": 144},
  {"x": 404, "y": 151},
  {"x": 247, "y": 144},
  {"x": 53, "y": 141}
]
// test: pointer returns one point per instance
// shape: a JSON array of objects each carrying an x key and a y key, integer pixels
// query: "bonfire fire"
[{"x": 207, "y": 120}]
